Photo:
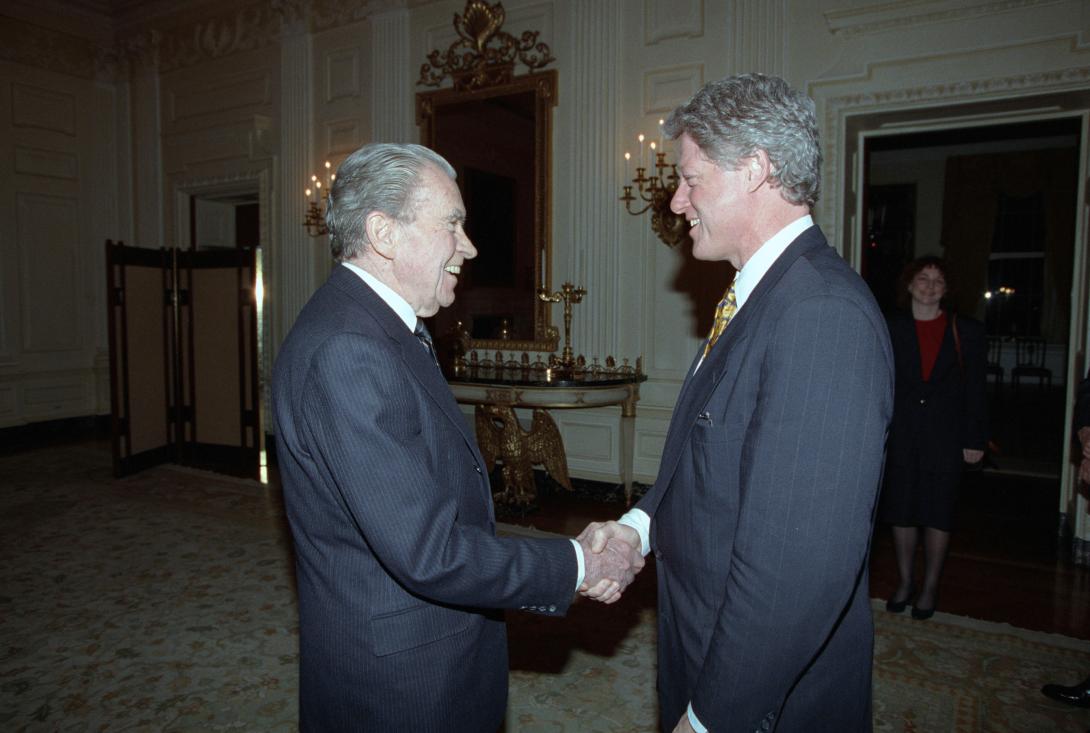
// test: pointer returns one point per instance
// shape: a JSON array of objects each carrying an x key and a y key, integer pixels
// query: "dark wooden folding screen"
[{"x": 184, "y": 365}]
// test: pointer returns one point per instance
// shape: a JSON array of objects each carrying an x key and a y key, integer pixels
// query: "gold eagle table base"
[
  {"x": 501, "y": 438},
  {"x": 500, "y": 435}
]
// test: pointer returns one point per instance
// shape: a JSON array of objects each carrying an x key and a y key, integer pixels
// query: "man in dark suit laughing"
[{"x": 400, "y": 573}]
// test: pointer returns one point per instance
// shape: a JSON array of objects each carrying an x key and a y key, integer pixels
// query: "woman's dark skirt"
[{"x": 915, "y": 498}]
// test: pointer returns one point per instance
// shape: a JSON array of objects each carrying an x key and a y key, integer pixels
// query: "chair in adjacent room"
[{"x": 1030, "y": 362}]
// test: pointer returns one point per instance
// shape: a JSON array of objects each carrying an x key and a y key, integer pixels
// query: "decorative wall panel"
[
  {"x": 7, "y": 404},
  {"x": 44, "y": 109},
  {"x": 589, "y": 441},
  {"x": 48, "y": 237},
  {"x": 342, "y": 74},
  {"x": 41, "y": 400},
  {"x": 229, "y": 92},
  {"x": 46, "y": 163},
  {"x": 665, "y": 89},
  {"x": 183, "y": 150},
  {"x": 342, "y": 136}
]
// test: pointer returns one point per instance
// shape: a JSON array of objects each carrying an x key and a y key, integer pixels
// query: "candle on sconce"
[
  {"x": 627, "y": 159},
  {"x": 640, "y": 138},
  {"x": 662, "y": 133},
  {"x": 307, "y": 192},
  {"x": 653, "y": 147}
]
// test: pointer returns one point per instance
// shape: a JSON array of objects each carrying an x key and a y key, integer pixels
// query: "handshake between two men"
[{"x": 612, "y": 557}]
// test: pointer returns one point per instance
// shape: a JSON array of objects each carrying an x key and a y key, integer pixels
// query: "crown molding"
[{"x": 904, "y": 14}]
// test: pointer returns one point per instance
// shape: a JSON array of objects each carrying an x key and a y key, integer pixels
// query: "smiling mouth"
[{"x": 453, "y": 269}]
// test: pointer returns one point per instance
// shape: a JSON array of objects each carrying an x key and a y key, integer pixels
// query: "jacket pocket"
[{"x": 414, "y": 627}]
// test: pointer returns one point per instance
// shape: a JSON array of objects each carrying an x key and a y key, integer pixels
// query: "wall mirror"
[{"x": 496, "y": 130}]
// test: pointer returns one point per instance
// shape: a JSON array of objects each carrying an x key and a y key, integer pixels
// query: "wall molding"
[
  {"x": 901, "y": 16},
  {"x": 838, "y": 100}
]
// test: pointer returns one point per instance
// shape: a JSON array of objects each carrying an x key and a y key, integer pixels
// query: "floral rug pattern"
[{"x": 165, "y": 602}]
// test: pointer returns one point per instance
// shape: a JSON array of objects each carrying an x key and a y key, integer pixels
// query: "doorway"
[{"x": 999, "y": 203}]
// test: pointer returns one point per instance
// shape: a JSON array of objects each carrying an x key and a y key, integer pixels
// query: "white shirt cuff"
[
  {"x": 695, "y": 721},
  {"x": 582, "y": 566},
  {"x": 638, "y": 520}
]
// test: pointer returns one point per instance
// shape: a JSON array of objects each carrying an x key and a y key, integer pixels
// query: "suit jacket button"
[
  {"x": 923, "y": 401},
  {"x": 552, "y": 609}
]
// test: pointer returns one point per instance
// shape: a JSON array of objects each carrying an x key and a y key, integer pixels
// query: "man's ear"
[
  {"x": 758, "y": 169},
  {"x": 381, "y": 233}
]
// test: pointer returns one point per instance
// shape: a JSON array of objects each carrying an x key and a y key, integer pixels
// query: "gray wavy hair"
[
  {"x": 377, "y": 177},
  {"x": 731, "y": 119}
]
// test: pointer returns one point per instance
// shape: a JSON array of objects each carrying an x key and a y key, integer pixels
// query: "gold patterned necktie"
[{"x": 723, "y": 313}]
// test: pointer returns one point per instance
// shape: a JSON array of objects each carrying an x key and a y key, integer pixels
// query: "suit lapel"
[
  {"x": 418, "y": 362},
  {"x": 697, "y": 388}
]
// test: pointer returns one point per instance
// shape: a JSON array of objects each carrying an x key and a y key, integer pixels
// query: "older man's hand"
[{"x": 612, "y": 555}]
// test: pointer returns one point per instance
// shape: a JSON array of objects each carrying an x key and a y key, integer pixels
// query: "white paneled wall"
[
  {"x": 54, "y": 215},
  {"x": 264, "y": 93}
]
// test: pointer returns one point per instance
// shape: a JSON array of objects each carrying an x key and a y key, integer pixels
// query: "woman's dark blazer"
[{"x": 934, "y": 420}]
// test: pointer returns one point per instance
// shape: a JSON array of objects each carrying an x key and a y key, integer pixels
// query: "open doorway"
[
  {"x": 224, "y": 221},
  {"x": 999, "y": 203}
]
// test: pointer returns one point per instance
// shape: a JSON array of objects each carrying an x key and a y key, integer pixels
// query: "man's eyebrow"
[{"x": 457, "y": 217}]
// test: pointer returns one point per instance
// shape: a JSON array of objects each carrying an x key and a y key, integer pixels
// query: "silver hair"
[
  {"x": 377, "y": 177},
  {"x": 731, "y": 119}
]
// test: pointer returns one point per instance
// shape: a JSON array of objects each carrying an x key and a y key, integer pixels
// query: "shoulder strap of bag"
[{"x": 957, "y": 342}]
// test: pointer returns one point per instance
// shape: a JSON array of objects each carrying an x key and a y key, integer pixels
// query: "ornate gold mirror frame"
[{"x": 495, "y": 128}]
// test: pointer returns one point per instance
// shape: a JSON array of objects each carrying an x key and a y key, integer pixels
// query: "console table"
[{"x": 495, "y": 394}]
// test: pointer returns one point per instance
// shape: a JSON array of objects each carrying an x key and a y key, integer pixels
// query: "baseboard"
[{"x": 49, "y": 433}]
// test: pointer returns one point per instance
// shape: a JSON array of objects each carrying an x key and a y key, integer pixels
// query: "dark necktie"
[{"x": 421, "y": 333}]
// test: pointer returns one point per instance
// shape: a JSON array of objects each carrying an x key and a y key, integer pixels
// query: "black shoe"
[
  {"x": 1078, "y": 695},
  {"x": 897, "y": 606},
  {"x": 922, "y": 614}
]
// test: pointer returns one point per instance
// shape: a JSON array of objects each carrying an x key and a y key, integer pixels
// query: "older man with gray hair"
[
  {"x": 761, "y": 516},
  {"x": 400, "y": 574}
]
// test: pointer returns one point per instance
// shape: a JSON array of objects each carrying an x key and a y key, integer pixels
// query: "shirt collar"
[
  {"x": 399, "y": 305},
  {"x": 761, "y": 261}
]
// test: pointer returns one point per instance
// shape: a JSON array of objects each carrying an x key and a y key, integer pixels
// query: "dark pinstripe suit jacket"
[
  {"x": 391, "y": 517},
  {"x": 762, "y": 511}
]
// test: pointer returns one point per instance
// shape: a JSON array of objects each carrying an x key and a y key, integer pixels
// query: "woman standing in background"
[{"x": 939, "y": 424}]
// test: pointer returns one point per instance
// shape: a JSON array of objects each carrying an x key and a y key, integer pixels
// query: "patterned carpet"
[{"x": 164, "y": 602}]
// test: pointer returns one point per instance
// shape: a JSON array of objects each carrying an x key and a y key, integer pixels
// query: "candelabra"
[
  {"x": 569, "y": 295},
  {"x": 317, "y": 201},
  {"x": 653, "y": 190}
]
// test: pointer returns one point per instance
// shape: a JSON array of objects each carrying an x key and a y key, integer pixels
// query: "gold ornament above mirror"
[
  {"x": 495, "y": 129},
  {"x": 483, "y": 55}
]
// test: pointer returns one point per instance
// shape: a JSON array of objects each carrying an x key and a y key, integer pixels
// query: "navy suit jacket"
[
  {"x": 398, "y": 568},
  {"x": 762, "y": 512}
]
